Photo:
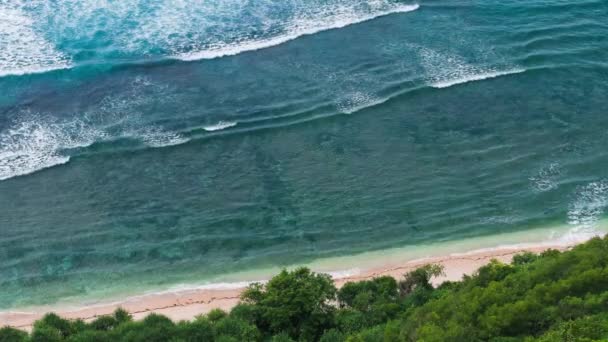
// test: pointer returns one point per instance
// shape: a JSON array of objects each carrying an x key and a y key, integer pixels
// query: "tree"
[
  {"x": 199, "y": 330},
  {"x": 363, "y": 294},
  {"x": 52, "y": 328},
  {"x": 419, "y": 278},
  {"x": 296, "y": 302},
  {"x": 239, "y": 329},
  {"x": 154, "y": 328}
]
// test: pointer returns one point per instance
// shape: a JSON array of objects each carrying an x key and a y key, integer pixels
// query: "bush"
[
  {"x": 104, "y": 323},
  {"x": 333, "y": 335},
  {"x": 419, "y": 278},
  {"x": 361, "y": 295},
  {"x": 524, "y": 258},
  {"x": 216, "y": 315},
  {"x": 8, "y": 334},
  {"x": 45, "y": 333},
  {"x": 198, "y": 330},
  {"x": 154, "y": 328},
  {"x": 239, "y": 329},
  {"x": 52, "y": 324},
  {"x": 282, "y": 337},
  {"x": 122, "y": 316},
  {"x": 91, "y": 336}
]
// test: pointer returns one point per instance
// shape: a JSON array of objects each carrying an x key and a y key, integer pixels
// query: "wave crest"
[
  {"x": 341, "y": 17},
  {"x": 31, "y": 31},
  {"x": 33, "y": 145},
  {"x": 220, "y": 126}
]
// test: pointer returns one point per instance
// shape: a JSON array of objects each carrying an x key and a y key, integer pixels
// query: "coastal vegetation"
[{"x": 553, "y": 296}]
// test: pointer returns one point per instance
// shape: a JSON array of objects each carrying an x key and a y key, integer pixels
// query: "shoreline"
[{"x": 186, "y": 304}]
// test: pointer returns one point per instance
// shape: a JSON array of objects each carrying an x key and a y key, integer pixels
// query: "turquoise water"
[{"x": 148, "y": 143}]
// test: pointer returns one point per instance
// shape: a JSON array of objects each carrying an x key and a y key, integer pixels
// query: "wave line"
[
  {"x": 478, "y": 77},
  {"x": 253, "y": 45}
]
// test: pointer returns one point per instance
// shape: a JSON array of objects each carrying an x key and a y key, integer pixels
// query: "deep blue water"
[{"x": 145, "y": 143}]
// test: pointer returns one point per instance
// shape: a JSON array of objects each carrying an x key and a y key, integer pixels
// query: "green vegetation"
[{"x": 548, "y": 297}]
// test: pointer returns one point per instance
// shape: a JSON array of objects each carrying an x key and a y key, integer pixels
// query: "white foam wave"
[
  {"x": 34, "y": 145},
  {"x": 158, "y": 138},
  {"x": 296, "y": 29},
  {"x": 357, "y": 101},
  {"x": 478, "y": 77},
  {"x": 31, "y": 30},
  {"x": 38, "y": 141},
  {"x": 588, "y": 206},
  {"x": 444, "y": 70},
  {"x": 546, "y": 178},
  {"x": 23, "y": 49},
  {"x": 220, "y": 126}
]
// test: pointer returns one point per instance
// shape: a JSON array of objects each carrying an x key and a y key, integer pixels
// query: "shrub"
[
  {"x": 216, "y": 315},
  {"x": 198, "y": 330},
  {"x": 419, "y": 278},
  {"x": 239, "y": 329},
  {"x": 8, "y": 334},
  {"x": 282, "y": 337}
]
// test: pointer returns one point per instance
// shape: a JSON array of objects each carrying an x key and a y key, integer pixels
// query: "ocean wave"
[
  {"x": 296, "y": 29},
  {"x": 31, "y": 31},
  {"x": 446, "y": 69},
  {"x": 157, "y": 138},
  {"x": 24, "y": 50},
  {"x": 36, "y": 141},
  {"x": 220, "y": 126},
  {"x": 546, "y": 178},
  {"x": 357, "y": 101},
  {"x": 589, "y": 204},
  {"x": 477, "y": 77},
  {"x": 33, "y": 145},
  {"x": 30, "y": 70}
]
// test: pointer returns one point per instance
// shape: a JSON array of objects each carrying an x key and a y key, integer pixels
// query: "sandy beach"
[{"x": 187, "y": 304}]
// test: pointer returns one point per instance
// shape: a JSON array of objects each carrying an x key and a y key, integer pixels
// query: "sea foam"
[
  {"x": 446, "y": 69},
  {"x": 220, "y": 126},
  {"x": 589, "y": 204},
  {"x": 477, "y": 77},
  {"x": 300, "y": 27},
  {"x": 33, "y": 145},
  {"x": 23, "y": 49},
  {"x": 31, "y": 31}
]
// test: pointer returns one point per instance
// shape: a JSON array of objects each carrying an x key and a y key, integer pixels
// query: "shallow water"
[{"x": 145, "y": 144}]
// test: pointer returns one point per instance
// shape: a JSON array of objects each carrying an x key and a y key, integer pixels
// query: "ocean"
[{"x": 146, "y": 144}]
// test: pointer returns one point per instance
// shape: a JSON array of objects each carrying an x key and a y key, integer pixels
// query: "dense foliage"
[{"x": 548, "y": 297}]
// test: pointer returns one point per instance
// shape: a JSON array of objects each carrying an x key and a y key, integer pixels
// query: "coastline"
[{"x": 462, "y": 257}]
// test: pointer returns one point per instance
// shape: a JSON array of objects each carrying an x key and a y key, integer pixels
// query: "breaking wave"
[
  {"x": 23, "y": 48},
  {"x": 336, "y": 18},
  {"x": 39, "y": 35}
]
